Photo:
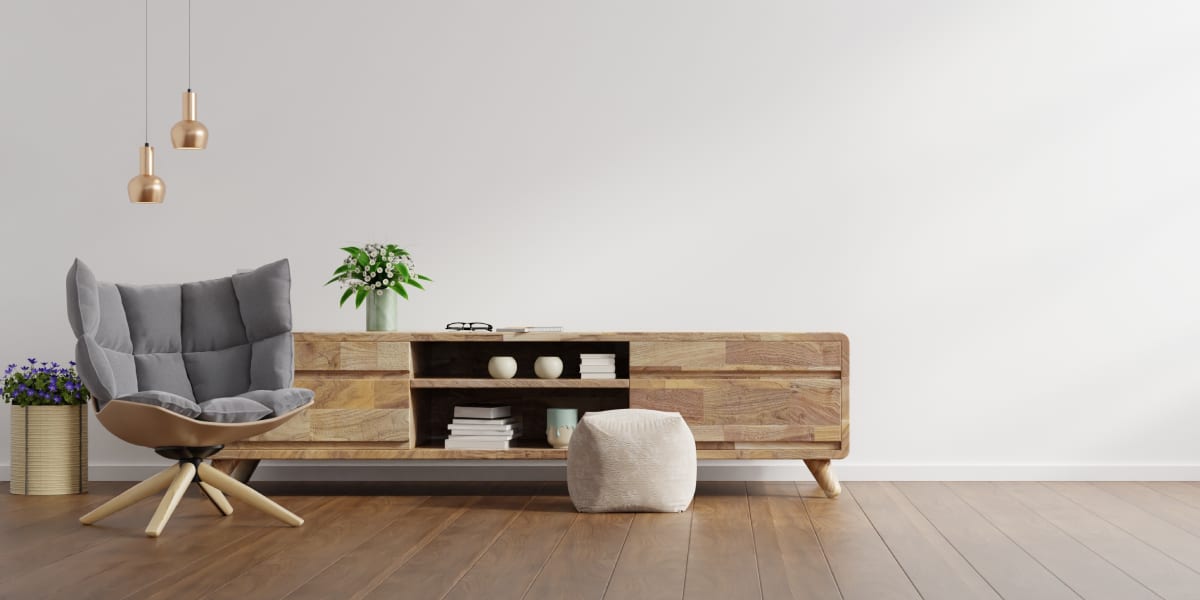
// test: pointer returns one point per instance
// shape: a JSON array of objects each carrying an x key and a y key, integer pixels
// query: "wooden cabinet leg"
[
  {"x": 823, "y": 473},
  {"x": 237, "y": 468}
]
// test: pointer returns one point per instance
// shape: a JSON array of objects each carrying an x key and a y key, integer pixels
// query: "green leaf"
[
  {"x": 335, "y": 278},
  {"x": 360, "y": 296},
  {"x": 413, "y": 282},
  {"x": 423, "y": 278},
  {"x": 359, "y": 256},
  {"x": 346, "y": 296},
  {"x": 403, "y": 271},
  {"x": 400, "y": 289}
]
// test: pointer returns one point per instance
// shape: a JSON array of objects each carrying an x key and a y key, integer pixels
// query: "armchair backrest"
[{"x": 200, "y": 340}]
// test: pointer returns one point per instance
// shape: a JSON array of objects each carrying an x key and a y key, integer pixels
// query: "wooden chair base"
[{"x": 175, "y": 479}]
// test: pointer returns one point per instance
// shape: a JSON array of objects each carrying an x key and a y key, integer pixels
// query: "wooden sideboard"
[{"x": 390, "y": 395}]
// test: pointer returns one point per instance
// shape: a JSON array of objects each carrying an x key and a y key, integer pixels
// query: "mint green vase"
[{"x": 383, "y": 311}]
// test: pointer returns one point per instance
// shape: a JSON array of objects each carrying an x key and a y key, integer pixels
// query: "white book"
[
  {"x": 598, "y": 361},
  {"x": 531, "y": 329},
  {"x": 482, "y": 411},
  {"x": 499, "y": 436},
  {"x": 597, "y": 375},
  {"x": 452, "y": 444},
  {"x": 458, "y": 427},
  {"x": 595, "y": 369},
  {"x": 499, "y": 421},
  {"x": 598, "y": 356}
]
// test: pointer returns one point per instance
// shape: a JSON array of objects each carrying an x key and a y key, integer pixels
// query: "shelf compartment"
[
  {"x": 469, "y": 360},
  {"x": 476, "y": 383}
]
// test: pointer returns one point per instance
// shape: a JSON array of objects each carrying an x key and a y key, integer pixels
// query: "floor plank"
[
  {"x": 651, "y": 566},
  {"x": 1188, "y": 493},
  {"x": 441, "y": 563},
  {"x": 582, "y": 564},
  {"x": 362, "y": 569},
  {"x": 790, "y": 561},
  {"x": 721, "y": 561},
  {"x": 352, "y": 521},
  {"x": 114, "y": 568},
  {"x": 1167, "y": 537},
  {"x": 1006, "y": 566},
  {"x": 863, "y": 565},
  {"x": 933, "y": 564},
  {"x": 510, "y": 565},
  {"x": 1163, "y": 506},
  {"x": 1157, "y": 571},
  {"x": 1084, "y": 571}
]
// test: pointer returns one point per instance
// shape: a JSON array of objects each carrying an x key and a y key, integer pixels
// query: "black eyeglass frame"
[{"x": 472, "y": 326}]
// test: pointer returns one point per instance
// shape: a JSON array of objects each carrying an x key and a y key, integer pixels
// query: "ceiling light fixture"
[
  {"x": 189, "y": 134},
  {"x": 146, "y": 187}
]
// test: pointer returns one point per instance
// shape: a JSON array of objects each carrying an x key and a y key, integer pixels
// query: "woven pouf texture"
[{"x": 631, "y": 460}]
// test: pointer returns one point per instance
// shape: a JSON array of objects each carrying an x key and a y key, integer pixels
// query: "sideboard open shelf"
[{"x": 390, "y": 395}]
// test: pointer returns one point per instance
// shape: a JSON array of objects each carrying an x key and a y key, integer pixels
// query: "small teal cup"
[{"x": 560, "y": 424}]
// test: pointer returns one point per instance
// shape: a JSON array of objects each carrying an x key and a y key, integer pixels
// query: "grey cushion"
[
  {"x": 199, "y": 341},
  {"x": 232, "y": 410},
  {"x": 167, "y": 400},
  {"x": 281, "y": 402},
  {"x": 153, "y": 313}
]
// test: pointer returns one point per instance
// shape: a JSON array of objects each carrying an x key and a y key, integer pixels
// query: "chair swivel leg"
[
  {"x": 247, "y": 494},
  {"x": 218, "y": 499},
  {"x": 131, "y": 496},
  {"x": 171, "y": 499}
]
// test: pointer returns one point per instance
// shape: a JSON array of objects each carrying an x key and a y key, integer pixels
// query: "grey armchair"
[{"x": 185, "y": 369}]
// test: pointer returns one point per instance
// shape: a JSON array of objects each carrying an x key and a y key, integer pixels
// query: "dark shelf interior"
[{"x": 470, "y": 359}]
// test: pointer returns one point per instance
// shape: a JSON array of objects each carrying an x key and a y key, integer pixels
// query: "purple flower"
[
  {"x": 32, "y": 361},
  {"x": 72, "y": 363},
  {"x": 54, "y": 364}
]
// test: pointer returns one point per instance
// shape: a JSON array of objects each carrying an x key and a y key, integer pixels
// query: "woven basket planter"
[{"x": 49, "y": 450}]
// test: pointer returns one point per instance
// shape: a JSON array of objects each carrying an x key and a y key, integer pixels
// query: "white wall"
[{"x": 997, "y": 201}]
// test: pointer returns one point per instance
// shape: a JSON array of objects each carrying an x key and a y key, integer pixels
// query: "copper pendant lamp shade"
[
  {"x": 189, "y": 134},
  {"x": 146, "y": 187}
]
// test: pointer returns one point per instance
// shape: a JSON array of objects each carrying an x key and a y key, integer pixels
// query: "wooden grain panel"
[
  {"x": 735, "y": 355},
  {"x": 1167, "y": 577},
  {"x": 765, "y": 433},
  {"x": 359, "y": 356},
  {"x": 1005, "y": 565},
  {"x": 1075, "y": 564},
  {"x": 295, "y": 430},
  {"x": 317, "y": 355},
  {"x": 339, "y": 392},
  {"x": 393, "y": 356},
  {"x": 790, "y": 561},
  {"x": 391, "y": 393},
  {"x": 378, "y": 425},
  {"x": 688, "y": 403},
  {"x": 935, "y": 567},
  {"x": 800, "y": 355},
  {"x": 688, "y": 356}
]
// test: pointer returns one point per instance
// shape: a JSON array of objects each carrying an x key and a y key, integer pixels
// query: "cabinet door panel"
[
  {"x": 735, "y": 356},
  {"x": 783, "y": 409}
]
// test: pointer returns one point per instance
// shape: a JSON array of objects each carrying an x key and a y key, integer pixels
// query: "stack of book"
[
  {"x": 482, "y": 427},
  {"x": 597, "y": 366}
]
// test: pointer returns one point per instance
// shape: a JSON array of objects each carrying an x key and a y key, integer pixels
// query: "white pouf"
[{"x": 631, "y": 460}]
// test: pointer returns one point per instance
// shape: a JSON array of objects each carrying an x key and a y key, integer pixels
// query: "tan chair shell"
[{"x": 155, "y": 427}]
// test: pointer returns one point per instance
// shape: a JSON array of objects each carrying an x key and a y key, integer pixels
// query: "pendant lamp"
[
  {"x": 146, "y": 187},
  {"x": 189, "y": 134}
]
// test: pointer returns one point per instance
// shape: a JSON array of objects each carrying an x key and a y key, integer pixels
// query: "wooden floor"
[{"x": 514, "y": 540}]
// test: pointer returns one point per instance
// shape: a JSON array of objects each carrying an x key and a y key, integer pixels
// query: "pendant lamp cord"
[
  {"x": 189, "y": 45},
  {"x": 146, "y": 74}
]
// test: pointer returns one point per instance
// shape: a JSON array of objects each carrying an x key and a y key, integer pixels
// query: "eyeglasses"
[{"x": 474, "y": 326}]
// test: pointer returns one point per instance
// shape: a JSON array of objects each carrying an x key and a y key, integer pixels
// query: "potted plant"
[
  {"x": 377, "y": 275},
  {"x": 49, "y": 428}
]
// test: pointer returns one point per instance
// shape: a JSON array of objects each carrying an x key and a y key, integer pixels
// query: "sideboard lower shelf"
[{"x": 479, "y": 383}]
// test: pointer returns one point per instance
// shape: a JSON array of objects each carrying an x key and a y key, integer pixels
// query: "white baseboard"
[{"x": 712, "y": 470}]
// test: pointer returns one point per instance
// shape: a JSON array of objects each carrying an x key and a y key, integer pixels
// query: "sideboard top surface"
[{"x": 568, "y": 336}]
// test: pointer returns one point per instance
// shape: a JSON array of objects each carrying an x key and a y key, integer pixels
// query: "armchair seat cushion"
[
  {"x": 281, "y": 402},
  {"x": 172, "y": 402},
  {"x": 233, "y": 409}
]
